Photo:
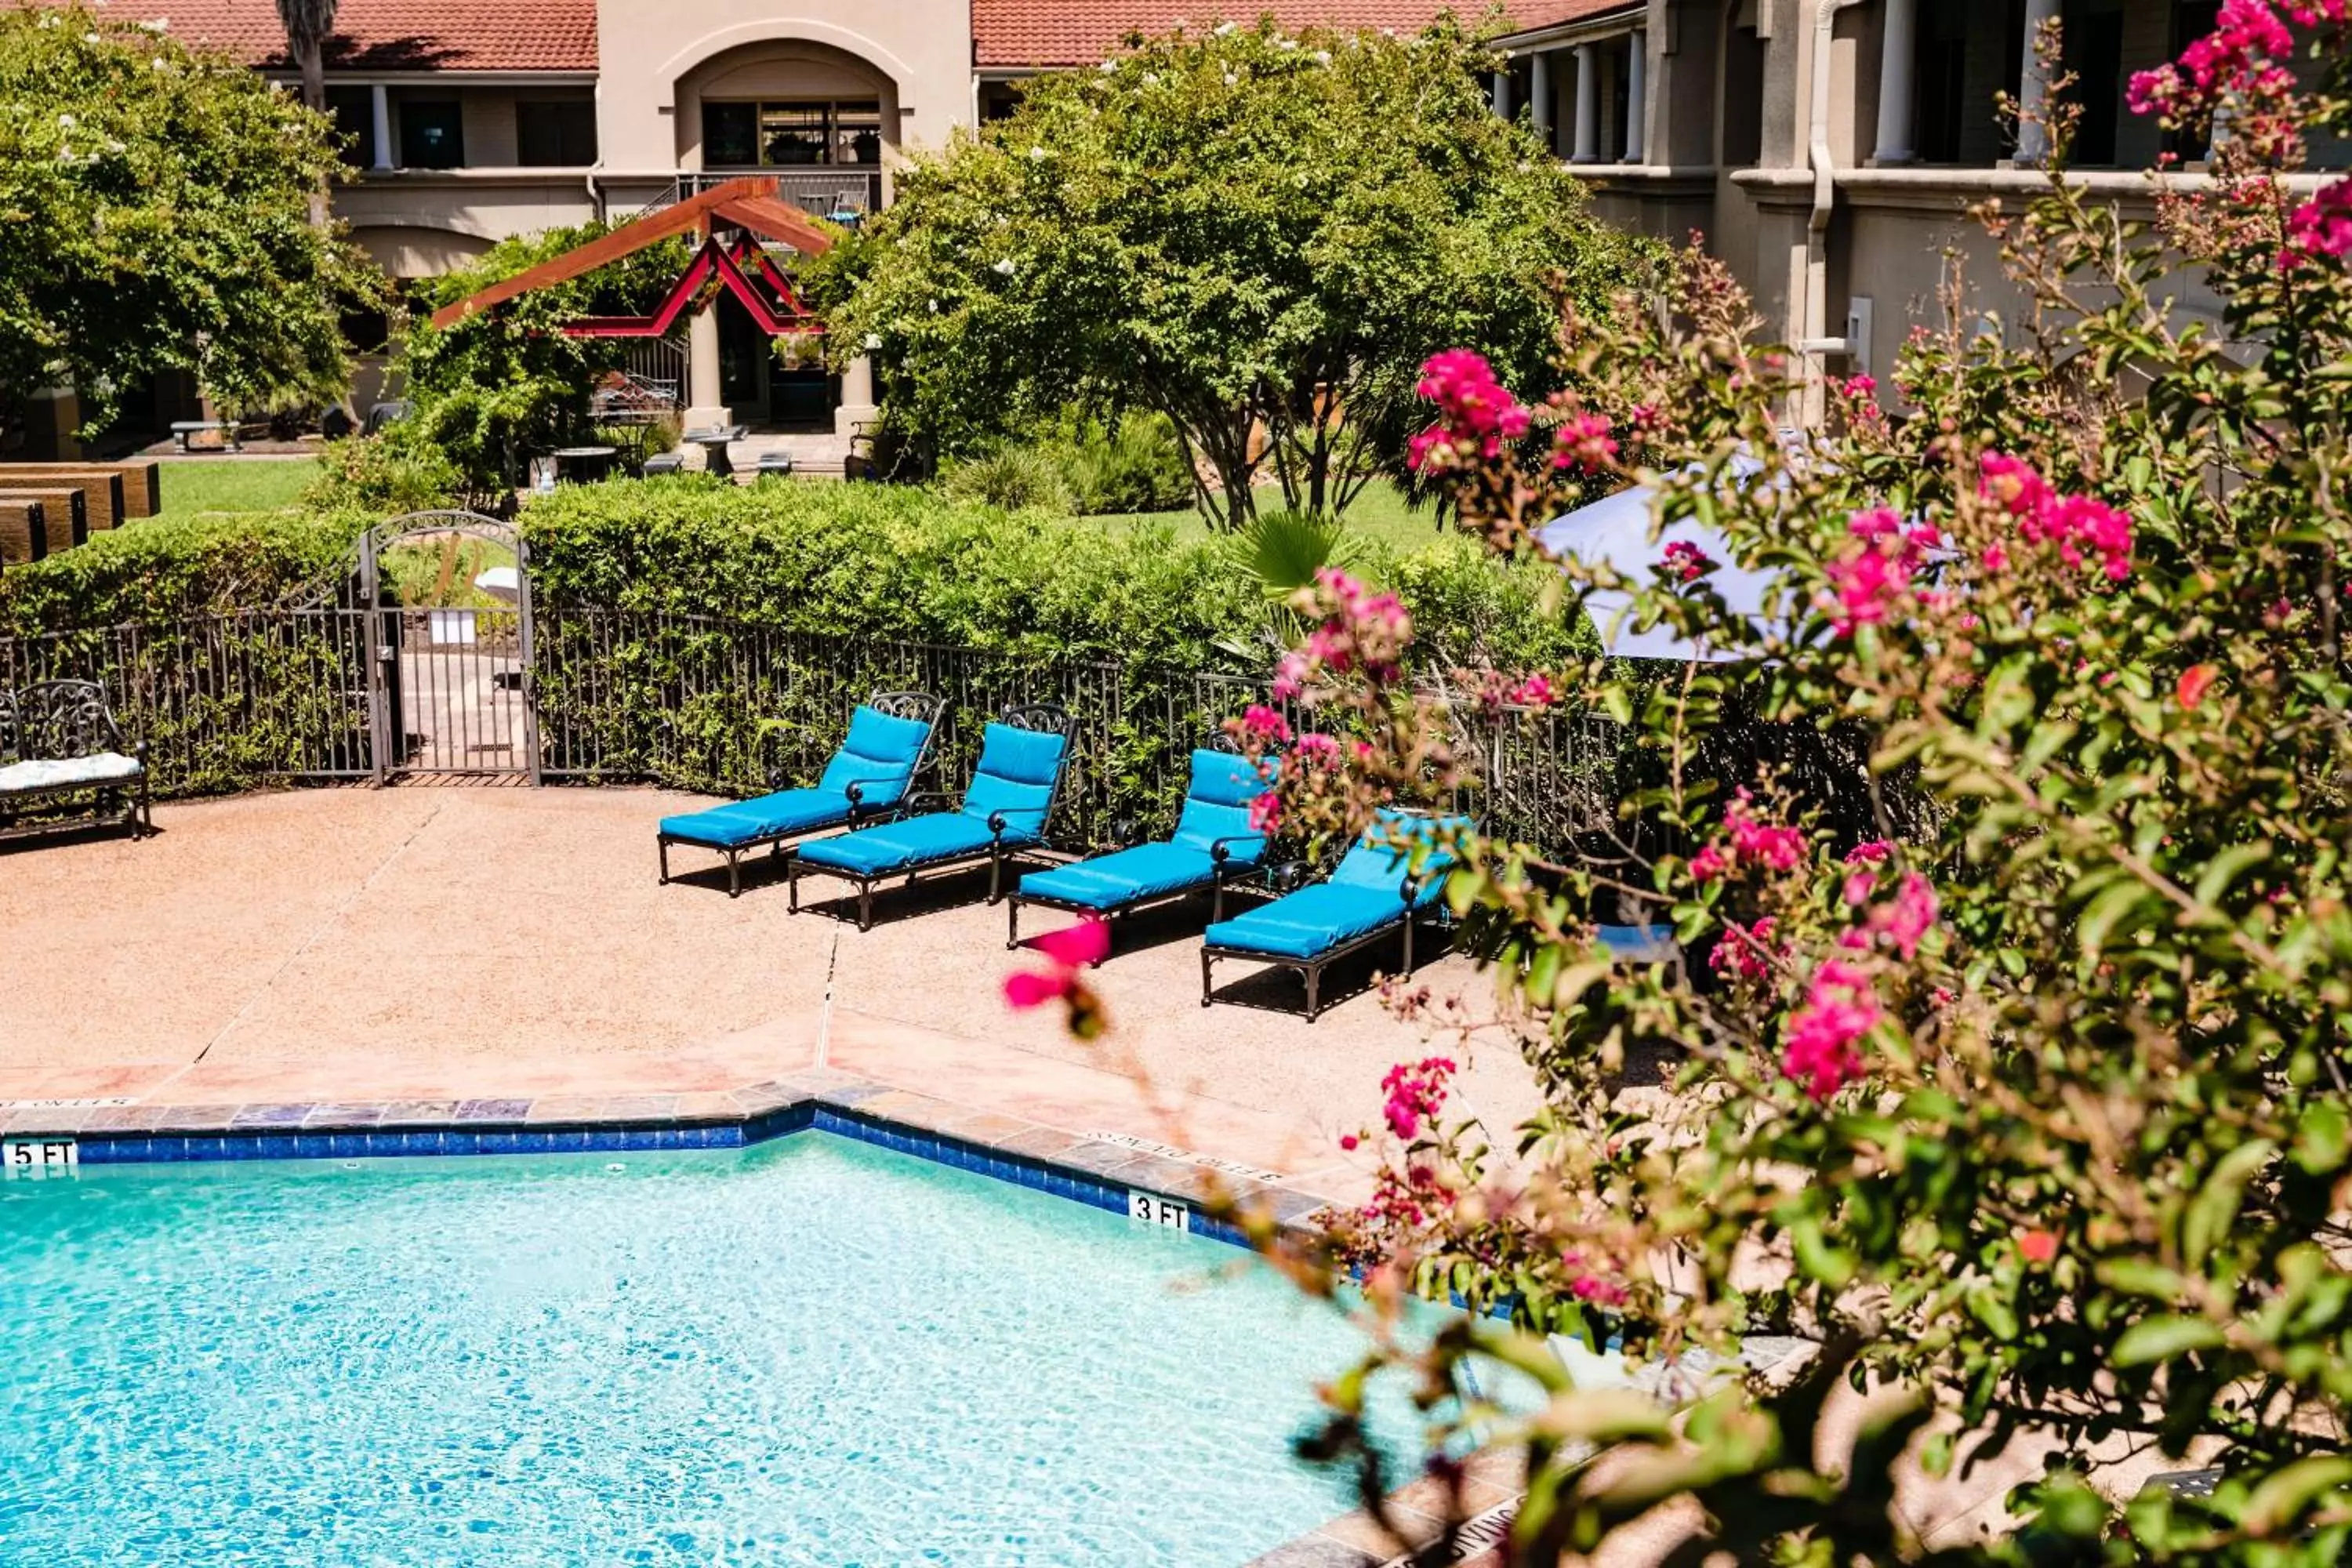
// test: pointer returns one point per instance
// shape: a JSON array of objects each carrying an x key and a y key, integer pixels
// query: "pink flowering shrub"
[
  {"x": 1067, "y": 953},
  {"x": 2016, "y": 1078}
]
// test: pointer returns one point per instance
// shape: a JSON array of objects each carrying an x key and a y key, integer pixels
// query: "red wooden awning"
[{"x": 748, "y": 204}]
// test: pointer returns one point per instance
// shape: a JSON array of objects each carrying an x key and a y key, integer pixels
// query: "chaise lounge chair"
[
  {"x": 888, "y": 744},
  {"x": 1022, "y": 758},
  {"x": 1213, "y": 845},
  {"x": 1376, "y": 890}
]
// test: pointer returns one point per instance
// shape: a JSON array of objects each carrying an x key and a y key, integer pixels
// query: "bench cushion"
[
  {"x": 778, "y": 816},
  {"x": 912, "y": 844},
  {"x": 1146, "y": 871},
  {"x": 68, "y": 772}
]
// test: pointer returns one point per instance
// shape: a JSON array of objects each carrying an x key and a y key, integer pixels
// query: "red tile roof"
[
  {"x": 1014, "y": 32},
  {"x": 398, "y": 35}
]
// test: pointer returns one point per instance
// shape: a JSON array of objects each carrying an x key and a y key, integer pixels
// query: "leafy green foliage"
[
  {"x": 158, "y": 217},
  {"x": 161, "y": 570},
  {"x": 1014, "y": 475},
  {"x": 1257, "y": 235},
  {"x": 496, "y": 388},
  {"x": 2031, "y": 1105}
]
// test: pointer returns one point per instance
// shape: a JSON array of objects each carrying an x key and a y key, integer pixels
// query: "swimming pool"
[{"x": 814, "y": 1352}]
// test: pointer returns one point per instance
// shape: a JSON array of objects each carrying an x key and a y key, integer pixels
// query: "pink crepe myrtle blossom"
[
  {"x": 2080, "y": 527},
  {"x": 1746, "y": 952},
  {"x": 1774, "y": 844},
  {"x": 1067, "y": 952},
  {"x": 1865, "y": 585},
  {"x": 1906, "y": 920},
  {"x": 2321, "y": 228},
  {"x": 1416, "y": 1092},
  {"x": 1535, "y": 692},
  {"x": 1262, "y": 724},
  {"x": 1709, "y": 863},
  {"x": 1682, "y": 562},
  {"x": 1820, "y": 1050},
  {"x": 1266, "y": 813},
  {"x": 1584, "y": 442},
  {"x": 1476, "y": 415},
  {"x": 2242, "y": 55},
  {"x": 1318, "y": 750}
]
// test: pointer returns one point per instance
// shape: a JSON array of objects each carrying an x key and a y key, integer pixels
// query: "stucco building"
[{"x": 1827, "y": 148}]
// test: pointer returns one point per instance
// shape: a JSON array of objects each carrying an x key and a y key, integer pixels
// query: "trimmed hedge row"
[{"x": 880, "y": 562}]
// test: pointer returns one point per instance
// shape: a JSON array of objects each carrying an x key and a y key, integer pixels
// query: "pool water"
[{"x": 810, "y": 1352}]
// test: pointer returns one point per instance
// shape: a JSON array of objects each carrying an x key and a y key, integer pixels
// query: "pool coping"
[{"x": 1163, "y": 1185}]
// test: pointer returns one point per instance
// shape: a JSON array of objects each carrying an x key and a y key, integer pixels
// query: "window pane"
[
  {"x": 730, "y": 134},
  {"x": 432, "y": 135},
  {"x": 791, "y": 133},
  {"x": 555, "y": 135},
  {"x": 857, "y": 131},
  {"x": 354, "y": 112}
]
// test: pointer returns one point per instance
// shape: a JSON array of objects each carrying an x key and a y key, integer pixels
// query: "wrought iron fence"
[{"x": 733, "y": 707}]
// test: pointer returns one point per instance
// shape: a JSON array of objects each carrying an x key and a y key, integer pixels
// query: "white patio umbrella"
[{"x": 1615, "y": 532}]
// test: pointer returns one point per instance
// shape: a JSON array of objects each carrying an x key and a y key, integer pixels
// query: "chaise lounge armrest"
[
  {"x": 1002, "y": 818},
  {"x": 1222, "y": 849},
  {"x": 855, "y": 790},
  {"x": 1289, "y": 876}
]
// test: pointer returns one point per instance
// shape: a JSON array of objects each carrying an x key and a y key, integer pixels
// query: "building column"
[
  {"x": 1501, "y": 93},
  {"x": 1540, "y": 97},
  {"x": 1637, "y": 84},
  {"x": 1897, "y": 59},
  {"x": 705, "y": 405},
  {"x": 857, "y": 406},
  {"x": 2032, "y": 86},
  {"x": 380, "y": 123},
  {"x": 1588, "y": 107}
]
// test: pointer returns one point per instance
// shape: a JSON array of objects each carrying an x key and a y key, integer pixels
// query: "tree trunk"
[{"x": 314, "y": 76}]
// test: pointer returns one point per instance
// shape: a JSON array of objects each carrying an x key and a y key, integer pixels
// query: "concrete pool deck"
[{"x": 419, "y": 944}]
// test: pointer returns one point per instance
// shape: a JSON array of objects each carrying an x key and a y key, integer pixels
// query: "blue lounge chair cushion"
[
  {"x": 778, "y": 816},
  {"x": 879, "y": 750},
  {"x": 1364, "y": 894},
  {"x": 910, "y": 844},
  {"x": 1311, "y": 922},
  {"x": 1641, "y": 944},
  {"x": 1146, "y": 871},
  {"x": 1216, "y": 804},
  {"x": 1016, "y": 776}
]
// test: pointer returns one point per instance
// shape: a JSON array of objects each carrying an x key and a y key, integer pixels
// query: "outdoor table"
[
  {"x": 582, "y": 463},
  {"x": 714, "y": 446}
]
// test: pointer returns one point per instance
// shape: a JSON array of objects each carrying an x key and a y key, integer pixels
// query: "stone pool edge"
[{"x": 1093, "y": 1171}]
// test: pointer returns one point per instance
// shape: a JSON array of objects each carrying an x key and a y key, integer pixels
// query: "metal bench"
[
  {"x": 775, "y": 464},
  {"x": 184, "y": 428},
  {"x": 59, "y": 740}
]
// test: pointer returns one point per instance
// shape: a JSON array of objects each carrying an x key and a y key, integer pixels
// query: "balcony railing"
[{"x": 844, "y": 191}]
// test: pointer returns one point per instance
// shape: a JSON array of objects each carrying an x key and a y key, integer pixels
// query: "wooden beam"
[
  {"x": 692, "y": 214},
  {"x": 772, "y": 219}
]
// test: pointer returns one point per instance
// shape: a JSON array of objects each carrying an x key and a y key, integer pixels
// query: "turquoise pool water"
[{"x": 811, "y": 1353}]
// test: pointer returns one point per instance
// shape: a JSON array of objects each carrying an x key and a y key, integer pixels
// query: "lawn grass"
[
  {"x": 1379, "y": 513},
  {"x": 196, "y": 485}
]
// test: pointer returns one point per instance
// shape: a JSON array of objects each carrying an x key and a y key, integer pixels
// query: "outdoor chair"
[
  {"x": 1378, "y": 889},
  {"x": 889, "y": 742},
  {"x": 60, "y": 740},
  {"x": 1213, "y": 845},
  {"x": 1021, "y": 759}
]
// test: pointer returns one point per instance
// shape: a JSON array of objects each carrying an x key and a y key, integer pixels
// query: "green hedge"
[
  {"x": 883, "y": 562},
  {"x": 151, "y": 573}
]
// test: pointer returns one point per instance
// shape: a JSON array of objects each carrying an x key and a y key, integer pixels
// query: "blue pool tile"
[
  {"x": 495, "y": 1142},
  {"x": 454, "y": 1143},
  {"x": 607, "y": 1138},
  {"x": 527, "y": 1143},
  {"x": 727, "y": 1137},
  {"x": 313, "y": 1146}
]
